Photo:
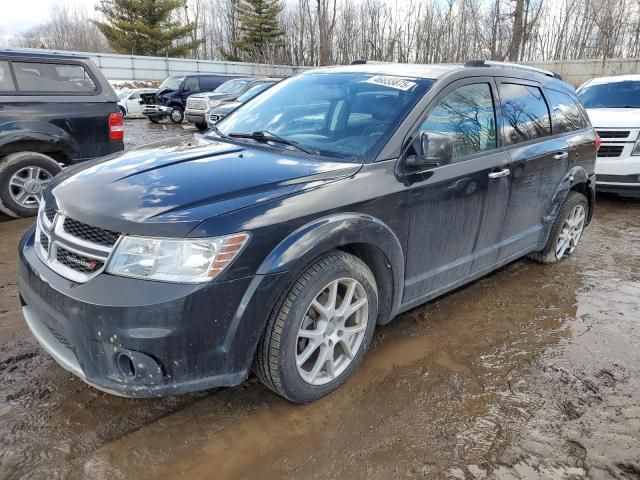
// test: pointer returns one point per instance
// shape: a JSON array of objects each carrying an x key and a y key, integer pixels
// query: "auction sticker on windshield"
[{"x": 393, "y": 82}]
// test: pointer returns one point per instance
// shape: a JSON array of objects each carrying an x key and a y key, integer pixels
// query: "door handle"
[
  {"x": 500, "y": 173},
  {"x": 561, "y": 155}
]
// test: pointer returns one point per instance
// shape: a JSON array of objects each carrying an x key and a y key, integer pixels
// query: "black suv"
[
  {"x": 328, "y": 205},
  {"x": 55, "y": 110}
]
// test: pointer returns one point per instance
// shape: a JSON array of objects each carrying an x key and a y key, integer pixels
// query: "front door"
[
  {"x": 447, "y": 203},
  {"x": 539, "y": 161}
]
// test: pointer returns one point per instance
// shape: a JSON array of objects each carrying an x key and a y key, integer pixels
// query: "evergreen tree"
[
  {"x": 259, "y": 27},
  {"x": 146, "y": 27}
]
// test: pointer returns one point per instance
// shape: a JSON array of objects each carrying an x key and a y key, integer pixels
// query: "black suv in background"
[
  {"x": 55, "y": 110},
  {"x": 327, "y": 205},
  {"x": 171, "y": 98}
]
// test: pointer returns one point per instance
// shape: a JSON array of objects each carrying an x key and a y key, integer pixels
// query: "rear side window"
[
  {"x": 6, "y": 81},
  {"x": 53, "y": 78},
  {"x": 526, "y": 114},
  {"x": 468, "y": 117},
  {"x": 566, "y": 112}
]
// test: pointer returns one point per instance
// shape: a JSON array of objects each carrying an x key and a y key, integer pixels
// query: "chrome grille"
[
  {"x": 196, "y": 103},
  {"x": 50, "y": 212},
  {"x": 77, "y": 262},
  {"x": 86, "y": 232},
  {"x": 613, "y": 133},
  {"x": 74, "y": 250},
  {"x": 44, "y": 241},
  {"x": 610, "y": 151}
]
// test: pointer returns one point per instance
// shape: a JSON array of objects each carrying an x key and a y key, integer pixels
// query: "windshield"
[
  {"x": 171, "y": 83},
  {"x": 611, "y": 95},
  {"x": 341, "y": 115},
  {"x": 124, "y": 94},
  {"x": 232, "y": 86},
  {"x": 253, "y": 91}
]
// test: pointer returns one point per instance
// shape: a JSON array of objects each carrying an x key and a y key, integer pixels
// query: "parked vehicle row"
[
  {"x": 199, "y": 105},
  {"x": 325, "y": 206},
  {"x": 170, "y": 100},
  {"x": 55, "y": 111}
]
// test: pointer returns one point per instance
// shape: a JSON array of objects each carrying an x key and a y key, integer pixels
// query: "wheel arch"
[
  {"x": 40, "y": 137},
  {"x": 576, "y": 179},
  {"x": 361, "y": 235}
]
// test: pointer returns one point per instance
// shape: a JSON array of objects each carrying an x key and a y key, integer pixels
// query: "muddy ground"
[{"x": 530, "y": 373}]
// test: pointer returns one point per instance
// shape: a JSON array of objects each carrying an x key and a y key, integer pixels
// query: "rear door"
[{"x": 539, "y": 161}]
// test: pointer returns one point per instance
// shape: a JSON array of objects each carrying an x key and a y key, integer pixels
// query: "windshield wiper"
[
  {"x": 218, "y": 132},
  {"x": 265, "y": 136}
]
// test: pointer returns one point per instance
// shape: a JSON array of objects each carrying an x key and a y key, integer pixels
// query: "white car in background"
[
  {"x": 129, "y": 101},
  {"x": 613, "y": 105}
]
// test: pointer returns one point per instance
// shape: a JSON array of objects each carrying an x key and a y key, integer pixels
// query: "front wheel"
[
  {"x": 176, "y": 115},
  {"x": 319, "y": 334},
  {"x": 566, "y": 230},
  {"x": 23, "y": 178}
]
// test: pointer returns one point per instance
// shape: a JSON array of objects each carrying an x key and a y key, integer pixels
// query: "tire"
[
  {"x": 154, "y": 119},
  {"x": 281, "y": 345},
  {"x": 18, "y": 167},
  {"x": 201, "y": 126},
  {"x": 552, "y": 253},
  {"x": 177, "y": 115},
  {"x": 123, "y": 112}
]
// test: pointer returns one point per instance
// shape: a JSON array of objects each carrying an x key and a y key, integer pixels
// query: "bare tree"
[{"x": 67, "y": 29}]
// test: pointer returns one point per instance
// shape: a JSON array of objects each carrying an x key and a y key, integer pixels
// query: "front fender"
[{"x": 335, "y": 231}]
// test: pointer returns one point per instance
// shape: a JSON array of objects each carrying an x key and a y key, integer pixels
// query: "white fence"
[
  {"x": 579, "y": 71},
  {"x": 135, "y": 67}
]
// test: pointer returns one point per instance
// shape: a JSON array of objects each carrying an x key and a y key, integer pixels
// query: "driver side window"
[
  {"x": 467, "y": 116},
  {"x": 192, "y": 84}
]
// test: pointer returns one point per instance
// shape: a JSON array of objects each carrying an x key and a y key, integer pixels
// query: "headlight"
[
  {"x": 636, "y": 147},
  {"x": 213, "y": 103},
  {"x": 175, "y": 260}
]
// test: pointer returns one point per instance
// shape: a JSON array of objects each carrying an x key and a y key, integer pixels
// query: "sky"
[{"x": 19, "y": 15}]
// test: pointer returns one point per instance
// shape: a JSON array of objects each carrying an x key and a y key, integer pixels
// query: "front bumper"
[
  {"x": 195, "y": 116},
  {"x": 141, "y": 338},
  {"x": 156, "y": 111},
  {"x": 617, "y": 170}
]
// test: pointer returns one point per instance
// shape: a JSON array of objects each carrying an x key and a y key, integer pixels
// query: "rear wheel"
[
  {"x": 566, "y": 230},
  {"x": 319, "y": 334},
  {"x": 23, "y": 177},
  {"x": 123, "y": 111},
  {"x": 176, "y": 115}
]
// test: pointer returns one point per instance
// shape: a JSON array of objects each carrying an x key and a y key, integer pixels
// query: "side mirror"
[{"x": 431, "y": 149}]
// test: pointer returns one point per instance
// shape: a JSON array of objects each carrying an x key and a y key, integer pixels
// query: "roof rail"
[{"x": 490, "y": 63}]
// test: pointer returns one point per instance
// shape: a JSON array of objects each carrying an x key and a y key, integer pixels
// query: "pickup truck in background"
[
  {"x": 171, "y": 98},
  {"x": 55, "y": 110}
]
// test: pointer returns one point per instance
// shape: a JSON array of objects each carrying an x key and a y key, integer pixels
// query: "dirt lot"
[{"x": 530, "y": 373}]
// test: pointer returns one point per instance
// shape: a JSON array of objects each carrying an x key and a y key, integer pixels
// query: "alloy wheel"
[
  {"x": 571, "y": 232},
  {"x": 27, "y": 184},
  {"x": 332, "y": 331}
]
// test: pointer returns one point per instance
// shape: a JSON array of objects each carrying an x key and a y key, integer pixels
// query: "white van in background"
[{"x": 613, "y": 105}]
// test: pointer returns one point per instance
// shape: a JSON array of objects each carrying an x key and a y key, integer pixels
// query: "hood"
[
  {"x": 226, "y": 108},
  {"x": 614, "y": 117},
  {"x": 166, "y": 189}
]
